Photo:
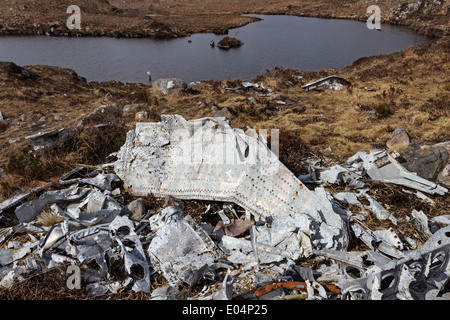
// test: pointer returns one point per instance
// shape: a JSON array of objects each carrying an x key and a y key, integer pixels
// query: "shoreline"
[{"x": 430, "y": 33}]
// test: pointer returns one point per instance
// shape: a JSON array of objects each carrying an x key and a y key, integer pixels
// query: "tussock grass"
[{"x": 48, "y": 218}]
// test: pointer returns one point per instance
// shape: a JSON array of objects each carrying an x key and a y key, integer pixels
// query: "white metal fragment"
[
  {"x": 421, "y": 222},
  {"x": 389, "y": 236},
  {"x": 383, "y": 166},
  {"x": 165, "y": 216},
  {"x": 182, "y": 250},
  {"x": 133, "y": 253},
  {"x": 206, "y": 159},
  {"x": 29, "y": 210}
]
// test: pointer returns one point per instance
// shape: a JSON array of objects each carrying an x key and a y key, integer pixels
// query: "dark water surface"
[{"x": 286, "y": 41}]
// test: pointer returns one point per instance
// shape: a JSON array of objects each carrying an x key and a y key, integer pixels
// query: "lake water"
[{"x": 287, "y": 41}]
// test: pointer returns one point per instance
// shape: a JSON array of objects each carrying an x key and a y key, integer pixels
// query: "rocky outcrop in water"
[{"x": 229, "y": 42}]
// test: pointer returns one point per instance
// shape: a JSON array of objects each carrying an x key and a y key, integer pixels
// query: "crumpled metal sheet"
[
  {"x": 16, "y": 199},
  {"x": 166, "y": 216},
  {"x": 102, "y": 287},
  {"x": 225, "y": 290},
  {"x": 378, "y": 164},
  {"x": 85, "y": 245},
  {"x": 46, "y": 139},
  {"x": 420, "y": 275},
  {"x": 383, "y": 241},
  {"x": 182, "y": 250},
  {"x": 8, "y": 256},
  {"x": 133, "y": 252},
  {"x": 29, "y": 210},
  {"x": 240, "y": 251},
  {"x": 207, "y": 159},
  {"x": 96, "y": 208},
  {"x": 102, "y": 181},
  {"x": 333, "y": 82}
]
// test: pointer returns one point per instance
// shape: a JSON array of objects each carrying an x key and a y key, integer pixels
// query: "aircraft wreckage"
[{"x": 207, "y": 159}]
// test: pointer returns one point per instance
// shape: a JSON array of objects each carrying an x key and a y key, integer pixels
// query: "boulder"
[
  {"x": 426, "y": 161},
  {"x": 444, "y": 176},
  {"x": 170, "y": 85},
  {"x": 226, "y": 112},
  {"x": 399, "y": 140}
]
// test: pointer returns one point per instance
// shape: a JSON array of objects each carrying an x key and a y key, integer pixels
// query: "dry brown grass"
[{"x": 48, "y": 218}]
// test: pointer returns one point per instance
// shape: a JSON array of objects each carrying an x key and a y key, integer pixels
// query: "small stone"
[
  {"x": 170, "y": 201},
  {"x": 224, "y": 112},
  {"x": 399, "y": 140},
  {"x": 130, "y": 107},
  {"x": 14, "y": 140},
  {"x": 252, "y": 100},
  {"x": 113, "y": 109},
  {"x": 141, "y": 116},
  {"x": 135, "y": 209}
]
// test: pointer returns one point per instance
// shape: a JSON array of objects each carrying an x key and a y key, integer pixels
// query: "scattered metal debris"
[
  {"x": 378, "y": 165},
  {"x": 247, "y": 86},
  {"x": 420, "y": 275},
  {"x": 331, "y": 82},
  {"x": 46, "y": 139},
  {"x": 258, "y": 225}
]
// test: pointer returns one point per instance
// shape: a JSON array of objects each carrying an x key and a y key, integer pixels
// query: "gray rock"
[
  {"x": 170, "y": 85},
  {"x": 444, "y": 176},
  {"x": 135, "y": 209},
  {"x": 130, "y": 107},
  {"x": 252, "y": 100},
  {"x": 426, "y": 161},
  {"x": 224, "y": 112},
  {"x": 14, "y": 140},
  {"x": 114, "y": 109},
  {"x": 193, "y": 85}
]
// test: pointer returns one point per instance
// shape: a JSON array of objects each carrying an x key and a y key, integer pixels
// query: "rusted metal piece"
[
  {"x": 291, "y": 285},
  {"x": 285, "y": 284}
]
